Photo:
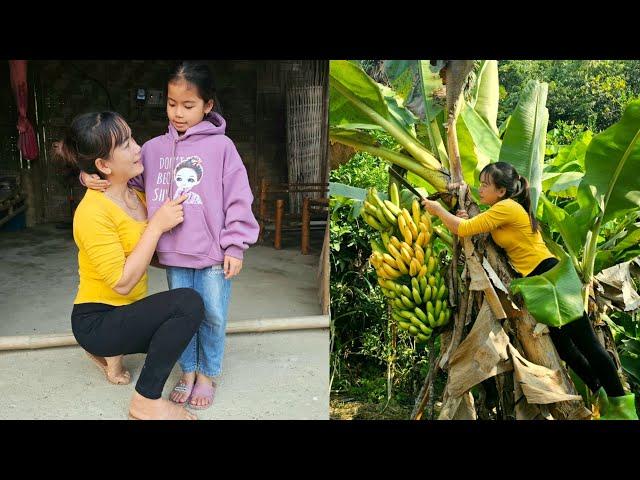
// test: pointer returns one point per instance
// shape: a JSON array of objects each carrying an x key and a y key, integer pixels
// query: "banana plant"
[
  {"x": 599, "y": 171},
  {"x": 413, "y": 113},
  {"x": 608, "y": 190}
]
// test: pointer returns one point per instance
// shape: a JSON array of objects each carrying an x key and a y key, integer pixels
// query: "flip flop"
[
  {"x": 200, "y": 390},
  {"x": 182, "y": 387},
  {"x": 102, "y": 364}
]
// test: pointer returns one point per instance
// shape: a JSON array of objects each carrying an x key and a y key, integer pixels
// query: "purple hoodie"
[{"x": 204, "y": 164}]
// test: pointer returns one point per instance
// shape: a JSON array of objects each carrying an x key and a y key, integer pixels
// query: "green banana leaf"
[
  {"x": 472, "y": 158},
  {"x": 632, "y": 345},
  {"x": 503, "y": 127},
  {"x": 555, "y": 297},
  {"x": 414, "y": 81},
  {"x": 430, "y": 82},
  {"x": 376, "y": 96},
  {"x": 631, "y": 365},
  {"x": 561, "y": 184},
  {"x": 612, "y": 164},
  {"x": 565, "y": 224},
  {"x": 604, "y": 259},
  {"x": 486, "y": 94},
  {"x": 587, "y": 212},
  {"x": 359, "y": 126},
  {"x": 573, "y": 154},
  {"x": 364, "y": 142},
  {"x": 631, "y": 239},
  {"x": 486, "y": 140},
  {"x": 356, "y": 98},
  {"x": 402, "y": 77},
  {"x": 478, "y": 145},
  {"x": 355, "y": 193},
  {"x": 524, "y": 141}
]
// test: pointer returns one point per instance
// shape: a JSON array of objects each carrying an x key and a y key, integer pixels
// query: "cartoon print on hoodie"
[
  {"x": 219, "y": 221},
  {"x": 187, "y": 175}
]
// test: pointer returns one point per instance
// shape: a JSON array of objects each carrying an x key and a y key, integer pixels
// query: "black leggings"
[
  {"x": 160, "y": 325},
  {"x": 578, "y": 345}
]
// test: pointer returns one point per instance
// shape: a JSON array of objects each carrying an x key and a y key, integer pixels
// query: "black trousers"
[
  {"x": 579, "y": 347},
  {"x": 160, "y": 325}
]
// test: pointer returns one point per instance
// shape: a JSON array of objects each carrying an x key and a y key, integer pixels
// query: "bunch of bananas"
[{"x": 407, "y": 268}]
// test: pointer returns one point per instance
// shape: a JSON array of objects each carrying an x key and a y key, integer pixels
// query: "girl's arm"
[{"x": 240, "y": 227}]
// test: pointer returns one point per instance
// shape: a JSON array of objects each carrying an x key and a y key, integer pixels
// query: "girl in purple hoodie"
[{"x": 196, "y": 159}]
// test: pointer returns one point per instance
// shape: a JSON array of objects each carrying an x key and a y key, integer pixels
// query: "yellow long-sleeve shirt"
[
  {"x": 105, "y": 236},
  {"x": 510, "y": 228}
]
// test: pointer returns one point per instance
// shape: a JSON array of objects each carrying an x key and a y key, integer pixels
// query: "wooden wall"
[{"x": 252, "y": 98}]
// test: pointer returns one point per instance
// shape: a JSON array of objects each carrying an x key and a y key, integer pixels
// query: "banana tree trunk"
[
  {"x": 456, "y": 75},
  {"x": 537, "y": 348}
]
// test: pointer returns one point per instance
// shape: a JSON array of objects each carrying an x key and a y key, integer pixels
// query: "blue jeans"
[{"x": 206, "y": 349}]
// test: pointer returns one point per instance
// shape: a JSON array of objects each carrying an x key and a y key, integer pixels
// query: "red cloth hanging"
[{"x": 27, "y": 141}]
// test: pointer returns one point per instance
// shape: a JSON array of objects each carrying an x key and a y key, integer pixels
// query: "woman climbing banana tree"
[{"x": 412, "y": 108}]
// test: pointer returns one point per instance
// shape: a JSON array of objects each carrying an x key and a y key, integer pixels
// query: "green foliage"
[
  {"x": 563, "y": 133},
  {"x": 363, "y": 171},
  {"x": 592, "y": 93},
  {"x": 625, "y": 327},
  {"x": 553, "y": 298},
  {"x": 584, "y": 98}
]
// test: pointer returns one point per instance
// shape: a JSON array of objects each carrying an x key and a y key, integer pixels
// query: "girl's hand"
[
  {"x": 232, "y": 267},
  {"x": 94, "y": 182},
  {"x": 431, "y": 206},
  {"x": 462, "y": 214}
]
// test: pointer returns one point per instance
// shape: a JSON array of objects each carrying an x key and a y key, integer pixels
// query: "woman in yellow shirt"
[
  {"x": 513, "y": 227},
  {"x": 112, "y": 315}
]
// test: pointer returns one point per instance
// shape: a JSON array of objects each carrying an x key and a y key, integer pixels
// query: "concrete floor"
[
  {"x": 39, "y": 280},
  {"x": 268, "y": 375},
  {"x": 279, "y": 375}
]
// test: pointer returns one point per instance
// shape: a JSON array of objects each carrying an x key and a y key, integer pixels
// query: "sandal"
[
  {"x": 102, "y": 364},
  {"x": 200, "y": 390},
  {"x": 182, "y": 387}
]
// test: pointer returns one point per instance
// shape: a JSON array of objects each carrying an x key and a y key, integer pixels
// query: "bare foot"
[
  {"x": 142, "y": 408},
  {"x": 116, "y": 372},
  {"x": 112, "y": 368},
  {"x": 185, "y": 384},
  {"x": 204, "y": 399}
]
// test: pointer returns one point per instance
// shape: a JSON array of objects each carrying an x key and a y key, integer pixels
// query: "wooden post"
[
  {"x": 277, "y": 243},
  {"x": 306, "y": 225},
  {"x": 262, "y": 206}
]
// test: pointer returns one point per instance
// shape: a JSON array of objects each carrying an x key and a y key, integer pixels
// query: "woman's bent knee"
[{"x": 189, "y": 303}]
